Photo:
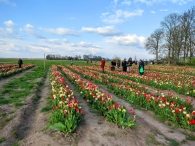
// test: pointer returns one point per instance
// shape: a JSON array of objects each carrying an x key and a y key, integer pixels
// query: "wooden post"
[{"x": 44, "y": 61}]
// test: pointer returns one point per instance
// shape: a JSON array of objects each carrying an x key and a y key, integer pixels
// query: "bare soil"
[{"x": 27, "y": 128}]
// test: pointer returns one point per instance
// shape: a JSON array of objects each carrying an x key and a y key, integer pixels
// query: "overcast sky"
[{"x": 107, "y": 28}]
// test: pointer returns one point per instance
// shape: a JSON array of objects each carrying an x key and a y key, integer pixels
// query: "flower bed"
[
  {"x": 182, "y": 84},
  {"x": 170, "y": 69},
  {"x": 10, "y": 69},
  {"x": 67, "y": 114},
  {"x": 167, "y": 107},
  {"x": 101, "y": 101}
]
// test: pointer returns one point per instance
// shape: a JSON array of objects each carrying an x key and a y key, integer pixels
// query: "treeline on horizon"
[
  {"x": 174, "y": 41},
  {"x": 76, "y": 57}
]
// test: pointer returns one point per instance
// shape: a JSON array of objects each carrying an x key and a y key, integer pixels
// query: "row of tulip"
[
  {"x": 10, "y": 69},
  {"x": 101, "y": 101},
  {"x": 164, "y": 70},
  {"x": 171, "y": 69},
  {"x": 182, "y": 84},
  {"x": 161, "y": 68},
  {"x": 67, "y": 113},
  {"x": 4, "y": 67},
  {"x": 167, "y": 107}
]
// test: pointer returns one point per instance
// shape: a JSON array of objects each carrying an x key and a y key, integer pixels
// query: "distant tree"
[
  {"x": 90, "y": 57},
  {"x": 48, "y": 57},
  {"x": 188, "y": 28},
  {"x": 95, "y": 57},
  {"x": 170, "y": 27},
  {"x": 85, "y": 57},
  {"x": 116, "y": 58},
  {"x": 99, "y": 58},
  {"x": 70, "y": 58},
  {"x": 153, "y": 43}
]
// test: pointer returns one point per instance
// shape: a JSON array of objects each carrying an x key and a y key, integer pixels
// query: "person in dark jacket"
[
  {"x": 113, "y": 64},
  {"x": 124, "y": 65},
  {"x": 20, "y": 62},
  {"x": 118, "y": 63},
  {"x": 141, "y": 67}
]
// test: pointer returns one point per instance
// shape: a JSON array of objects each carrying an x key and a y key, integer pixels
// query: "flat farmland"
[{"x": 54, "y": 103}]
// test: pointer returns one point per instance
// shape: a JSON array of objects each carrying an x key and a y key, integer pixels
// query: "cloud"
[
  {"x": 54, "y": 41},
  {"x": 105, "y": 14},
  {"x": 8, "y": 2},
  {"x": 8, "y": 45},
  {"x": 120, "y": 16},
  {"x": 94, "y": 50},
  {"x": 153, "y": 12},
  {"x": 151, "y": 2},
  {"x": 164, "y": 10},
  {"x": 126, "y": 2},
  {"x": 147, "y": 2},
  {"x": 60, "y": 31},
  {"x": 63, "y": 47},
  {"x": 128, "y": 40},
  {"x": 89, "y": 48},
  {"x": 87, "y": 45},
  {"x": 39, "y": 48},
  {"x": 107, "y": 31},
  {"x": 29, "y": 29},
  {"x": 127, "y": 14},
  {"x": 180, "y": 2},
  {"x": 9, "y": 23},
  {"x": 9, "y": 32},
  {"x": 115, "y": 1}
]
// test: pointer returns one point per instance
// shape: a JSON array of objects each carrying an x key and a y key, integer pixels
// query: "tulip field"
[{"x": 55, "y": 103}]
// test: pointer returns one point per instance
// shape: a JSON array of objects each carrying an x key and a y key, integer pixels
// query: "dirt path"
[
  {"x": 17, "y": 126},
  {"x": 36, "y": 135}
]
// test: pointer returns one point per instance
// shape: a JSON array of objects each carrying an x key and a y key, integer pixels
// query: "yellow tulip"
[
  {"x": 124, "y": 110},
  {"x": 187, "y": 116}
]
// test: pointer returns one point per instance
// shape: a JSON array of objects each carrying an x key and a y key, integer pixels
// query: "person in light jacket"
[{"x": 129, "y": 64}]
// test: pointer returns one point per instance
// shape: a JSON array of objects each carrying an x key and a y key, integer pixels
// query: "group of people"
[{"x": 126, "y": 65}]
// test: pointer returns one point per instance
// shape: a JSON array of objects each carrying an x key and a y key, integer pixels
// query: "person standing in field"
[
  {"x": 20, "y": 62},
  {"x": 129, "y": 64},
  {"x": 113, "y": 64},
  {"x": 103, "y": 62},
  {"x": 118, "y": 64},
  {"x": 124, "y": 65},
  {"x": 141, "y": 67},
  {"x": 71, "y": 62}
]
